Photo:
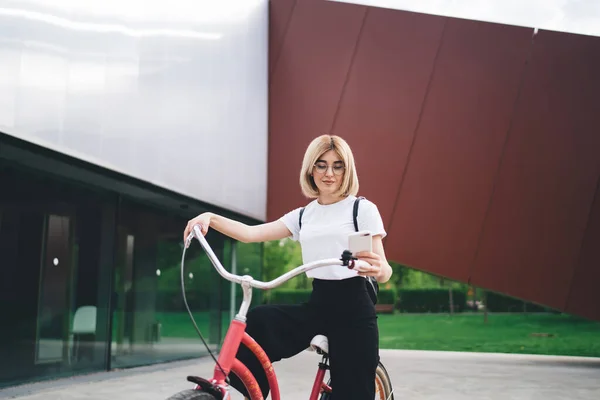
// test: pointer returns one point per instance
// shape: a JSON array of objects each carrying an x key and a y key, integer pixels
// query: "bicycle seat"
[{"x": 320, "y": 344}]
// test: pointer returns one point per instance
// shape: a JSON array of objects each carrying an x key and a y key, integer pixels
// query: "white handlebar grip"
[
  {"x": 197, "y": 230},
  {"x": 360, "y": 265}
]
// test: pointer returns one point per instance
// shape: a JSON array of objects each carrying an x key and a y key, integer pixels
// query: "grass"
[{"x": 504, "y": 333}]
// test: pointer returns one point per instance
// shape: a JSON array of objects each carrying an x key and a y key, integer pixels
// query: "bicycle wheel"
[
  {"x": 238, "y": 370},
  {"x": 383, "y": 385},
  {"x": 192, "y": 394}
]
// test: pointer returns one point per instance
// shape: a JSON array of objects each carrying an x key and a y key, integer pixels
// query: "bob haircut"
[{"x": 315, "y": 150}]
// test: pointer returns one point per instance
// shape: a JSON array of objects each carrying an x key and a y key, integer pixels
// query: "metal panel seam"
[
  {"x": 347, "y": 78},
  {"x": 285, "y": 32},
  {"x": 414, "y": 137},
  {"x": 503, "y": 151}
]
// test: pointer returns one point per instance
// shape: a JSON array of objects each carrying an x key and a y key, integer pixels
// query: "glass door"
[
  {"x": 55, "y": 291},
  {"x": 122, "y": 326},
  {"x": 56, "y": 245}
]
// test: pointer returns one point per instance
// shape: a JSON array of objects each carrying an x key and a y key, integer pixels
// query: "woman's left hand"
[{"x": 374, "y": 259}]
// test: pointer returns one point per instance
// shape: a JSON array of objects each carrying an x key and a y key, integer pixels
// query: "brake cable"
[{"x": 185, "y": 245}]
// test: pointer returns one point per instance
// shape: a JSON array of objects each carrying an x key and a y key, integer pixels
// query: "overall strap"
[
  {"x": 355, "y": 212},
  {"x": 300, "y": 218}
]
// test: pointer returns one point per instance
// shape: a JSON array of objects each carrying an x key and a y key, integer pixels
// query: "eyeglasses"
[{"x": 322, "y": 167}]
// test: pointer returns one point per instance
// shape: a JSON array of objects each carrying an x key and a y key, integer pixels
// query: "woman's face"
[{"x": 328, "y": 173}]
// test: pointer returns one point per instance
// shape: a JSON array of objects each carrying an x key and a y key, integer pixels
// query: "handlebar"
[{"x": 346, "y": 260}]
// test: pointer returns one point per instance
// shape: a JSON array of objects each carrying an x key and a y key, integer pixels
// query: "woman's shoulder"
[
  {"x": 369, "y": 217},
  {"x": 366, "y": 202},
  {"x": 367, "y": 208}
]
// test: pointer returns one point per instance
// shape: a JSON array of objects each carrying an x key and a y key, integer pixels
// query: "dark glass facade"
[{"x": 90, "y": 270}]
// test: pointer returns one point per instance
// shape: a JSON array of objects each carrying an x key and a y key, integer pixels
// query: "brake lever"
[{"x": 189, "y": 239}]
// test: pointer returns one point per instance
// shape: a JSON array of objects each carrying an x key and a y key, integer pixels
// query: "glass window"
[
  {"x": 150, "y": 321},
  {"x": 241, "y": 259},
  {"x": 50, "y": 240},
  {"x": 90, "y": 281}
]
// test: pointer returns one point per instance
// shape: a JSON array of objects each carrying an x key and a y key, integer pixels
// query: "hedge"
[
  {"x": 297, "y": 296},
  {"x": 289, "y": 296},
  {"x": 406, "y": 300},
  {"x": 387, "y": 296},
  {"x": 411, "y": 300},
  {"x": 497, "y": 302},
  {"x": 430, "y": 300}
]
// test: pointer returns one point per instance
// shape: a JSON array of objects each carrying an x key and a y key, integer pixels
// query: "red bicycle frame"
[
  {"x": 228, "y": 363},
  {"x": 236, "y": 334}
]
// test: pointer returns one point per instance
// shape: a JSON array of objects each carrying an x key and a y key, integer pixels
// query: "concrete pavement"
[{"x": 415, "y": 375}]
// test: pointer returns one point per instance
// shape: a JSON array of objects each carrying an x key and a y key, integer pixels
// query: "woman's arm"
[
  {"x": 236, "y": 230},
  {"x": 385, "y": 272},
  {"x": 380, "y": 268}
]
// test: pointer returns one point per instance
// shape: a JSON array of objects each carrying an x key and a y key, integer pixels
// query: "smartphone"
[{"x": 360, "y": 241}]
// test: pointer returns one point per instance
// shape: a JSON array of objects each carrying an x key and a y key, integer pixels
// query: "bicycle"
[{"x": 217, "y": 388}]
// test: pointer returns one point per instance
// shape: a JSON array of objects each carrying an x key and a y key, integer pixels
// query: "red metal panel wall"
[
  {"x": 302, "y": 106},
  {"x": 484, "y": 166},
  {"x": 379, "y": 108},
  {"x": 584, "y": 296},
  {"x": 280, "y": 15},
  {"x": 458, "y": 146},
  {"x": 534, "y": 230}
]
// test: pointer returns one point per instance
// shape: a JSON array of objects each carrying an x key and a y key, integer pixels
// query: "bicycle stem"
[{"x": 246, "y": 300}]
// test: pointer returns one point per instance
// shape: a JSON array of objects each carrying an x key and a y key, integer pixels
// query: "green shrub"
[
  {"x": 298, "y": 296},
  {"x": 289, "y": 296},
  {"x": 430, "y": 300},
  {"x": 387, "y": 296},
  {"x": 497, "y": 302}
]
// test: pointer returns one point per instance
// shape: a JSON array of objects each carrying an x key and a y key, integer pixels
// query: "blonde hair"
[{"x": 315, "y": 150}]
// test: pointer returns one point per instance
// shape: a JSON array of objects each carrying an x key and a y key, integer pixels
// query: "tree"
[
  {"x": 398, "y": 274},
  {"x": 279, "y": 257}
]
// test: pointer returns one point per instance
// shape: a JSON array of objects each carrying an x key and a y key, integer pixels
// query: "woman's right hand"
[{"x": 203, "y": 220}]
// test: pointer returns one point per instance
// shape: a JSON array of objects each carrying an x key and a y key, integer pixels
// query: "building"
[
  {"x": 116, "y": 128},
  {"x": 478, "y": 141}
]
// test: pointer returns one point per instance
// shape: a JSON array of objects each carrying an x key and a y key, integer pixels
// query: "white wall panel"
[{"x": 171, "y": 92}]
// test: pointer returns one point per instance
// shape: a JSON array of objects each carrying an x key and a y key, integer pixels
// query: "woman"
[{"x": 339, "y": 305}]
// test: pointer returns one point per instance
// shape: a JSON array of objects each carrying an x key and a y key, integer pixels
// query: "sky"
[{"x": 573, "y": 16}]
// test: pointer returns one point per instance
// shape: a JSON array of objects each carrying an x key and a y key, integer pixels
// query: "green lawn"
[{"x": 504, "y": 333}]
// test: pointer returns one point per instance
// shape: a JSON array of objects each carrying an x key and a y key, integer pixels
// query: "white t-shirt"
[{"x": 325, "y": 230}]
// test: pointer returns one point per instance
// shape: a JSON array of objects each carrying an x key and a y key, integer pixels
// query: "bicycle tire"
[
  {"x": 382, "y": 379},
  {"x": 191, "y": 394},
  {"x": 382, "y": 374}
]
